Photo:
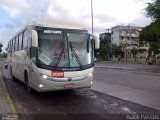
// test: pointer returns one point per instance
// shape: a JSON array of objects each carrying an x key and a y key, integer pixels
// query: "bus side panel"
[{"x": 20, "y": 61}]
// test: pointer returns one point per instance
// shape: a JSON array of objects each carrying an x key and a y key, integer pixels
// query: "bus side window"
[
  {"x": 20, "y": 41},
  {"x": 13, "y": 45},
  {"x": 8, "y": 48},
  {"x": 25, "y": 44},
  {"x": 16, "y": 43}
]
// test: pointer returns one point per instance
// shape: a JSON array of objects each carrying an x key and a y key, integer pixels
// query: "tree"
[
  {"x": 117, "y": 51},
  {"x": 151, "y": 33},
  {"x": 4, "y": 55},
  {"x": 105, "y": 47},
  {"x": 155, "y": 47},
  {"x": 134, "y": 51},
  {"x": 103, "y": 53},
  {"x": 153, "y": 10},
  {"x": 1, "y": 47}
]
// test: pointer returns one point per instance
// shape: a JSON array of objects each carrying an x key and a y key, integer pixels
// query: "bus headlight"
[
  {"x": 90, "y": 75},
  {"x": 40, "y": 85},
  {"x": 91, "y": 82},
  {"x": 44, "y": 76}
]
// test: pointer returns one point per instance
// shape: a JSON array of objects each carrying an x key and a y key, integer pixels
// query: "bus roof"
[
  {"x": 52, "y": 24},
  {"x": 57, "y": 24}
]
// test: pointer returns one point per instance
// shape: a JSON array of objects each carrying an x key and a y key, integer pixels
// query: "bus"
[{"x": 52, "y": 55}]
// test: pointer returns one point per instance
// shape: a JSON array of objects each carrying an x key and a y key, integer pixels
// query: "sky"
[{"x": 14, "y": 14}]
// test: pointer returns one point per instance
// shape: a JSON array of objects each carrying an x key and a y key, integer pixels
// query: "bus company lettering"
[{"x": 58, "y": 74}]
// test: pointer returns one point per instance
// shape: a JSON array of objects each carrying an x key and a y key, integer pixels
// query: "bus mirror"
[
  {"x": 97, "y": 42},
  {"x": 34, "y": 39}
]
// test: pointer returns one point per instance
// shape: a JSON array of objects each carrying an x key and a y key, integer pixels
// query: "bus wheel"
[
  {"x": 29, "y": 89},
  {"x": 11, "y": 73}
]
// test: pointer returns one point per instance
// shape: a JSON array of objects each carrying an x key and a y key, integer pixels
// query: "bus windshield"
[{"x": 64, "y": 48}]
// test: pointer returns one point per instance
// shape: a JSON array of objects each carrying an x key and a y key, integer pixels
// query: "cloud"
[
  {"x": 13, "y": 7},
  {"x": 107, "y": 13},
  {"x": 6, "y": 35},
  {"x": 9, "y": 26},
  {"x": 141, "y": 21}
]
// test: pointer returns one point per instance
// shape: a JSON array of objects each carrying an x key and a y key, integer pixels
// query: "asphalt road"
[
  {"x": 78, "y": 104},
  {"x": 145, "y": 77},
  {"x": 139, "y": 83}
]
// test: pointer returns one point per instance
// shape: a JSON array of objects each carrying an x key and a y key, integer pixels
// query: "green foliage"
[
  {"x": 1, "y": 47},
  {"x": 103, "y": 53},
  {"x": 153, "y": 10},
  {"x": 134, "y": 51},
  {"x": 105, "y": 48},
  {"x": 151, "y": 33},
  {"x": 117, "y": 50},
  {"x": 155, "y": 47},
  {"x": 4, "y": 55}
]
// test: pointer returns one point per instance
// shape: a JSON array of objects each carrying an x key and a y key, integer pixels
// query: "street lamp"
[
  {"x": 42, "y": 14},
  {"x": 92, "y": 15}
]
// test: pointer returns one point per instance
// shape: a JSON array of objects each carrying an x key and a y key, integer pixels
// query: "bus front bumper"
[{"x": 45, "y": 85}]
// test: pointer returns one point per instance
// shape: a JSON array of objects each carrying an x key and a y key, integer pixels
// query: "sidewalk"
[{"x": 7, "y": 109}]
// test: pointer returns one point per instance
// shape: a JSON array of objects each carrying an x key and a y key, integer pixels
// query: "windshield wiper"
[
  {"x": 76, "y": 56},
  {"x": 59, "y": 58}
]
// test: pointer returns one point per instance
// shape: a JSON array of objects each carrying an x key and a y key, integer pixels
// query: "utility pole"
[
  {"x": 42, "y": 13},
  {"x": 92, "y": 15}
]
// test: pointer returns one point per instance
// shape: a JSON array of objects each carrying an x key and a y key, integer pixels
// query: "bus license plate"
[{"x": 69, "y": 85}]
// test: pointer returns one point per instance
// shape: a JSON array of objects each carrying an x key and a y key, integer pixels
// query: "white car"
[{"x": 95, "y": 59}]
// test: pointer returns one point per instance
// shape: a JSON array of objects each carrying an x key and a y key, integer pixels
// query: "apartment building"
[{"x": 128, "y": 35}]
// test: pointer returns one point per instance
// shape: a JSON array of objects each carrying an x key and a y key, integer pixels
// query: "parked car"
[{"x": 95, "y": 59}]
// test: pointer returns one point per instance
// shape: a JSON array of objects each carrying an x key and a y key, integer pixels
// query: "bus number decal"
[{"x": 58, "y": 74}]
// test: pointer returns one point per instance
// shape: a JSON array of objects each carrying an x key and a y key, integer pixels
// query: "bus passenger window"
[
  {"x": 16, "y": 49},
  {"x": 25, "y": 40},
  {"x": 20, "y": 41},
  {"x": 13, "y": 47}
]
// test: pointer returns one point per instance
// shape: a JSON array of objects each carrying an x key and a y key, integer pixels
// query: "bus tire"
[
  {"x": 11, "y": 74},
  {"x": 29, "y": 89}
]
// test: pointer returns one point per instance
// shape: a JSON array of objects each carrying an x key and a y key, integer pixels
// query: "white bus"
[{"x": 50, "y": 56}]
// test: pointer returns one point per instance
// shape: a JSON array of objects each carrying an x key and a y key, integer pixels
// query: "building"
[{"x": 128, "y": 35}]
